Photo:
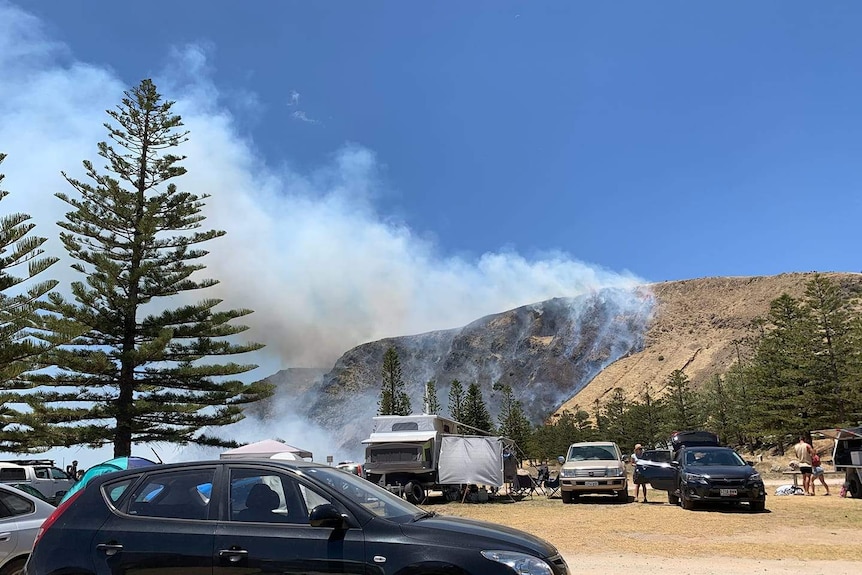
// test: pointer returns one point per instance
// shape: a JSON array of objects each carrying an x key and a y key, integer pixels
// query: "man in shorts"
[
  {"x": 804, "y": 451},
  {"x": 635, "y": 457}
]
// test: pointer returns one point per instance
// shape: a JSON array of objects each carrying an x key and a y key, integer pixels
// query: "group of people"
[
  {"x": 807, "y": 459},
  {"x": 809, "y": 466},
  {"x": 73, "y": 471}
]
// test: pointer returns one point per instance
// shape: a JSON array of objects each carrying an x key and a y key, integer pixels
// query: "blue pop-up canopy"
[{"x": 116, "y": 464}]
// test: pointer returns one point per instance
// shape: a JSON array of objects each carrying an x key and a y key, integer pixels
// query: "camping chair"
[
  {"x": 525, "y": 485},
  {"x": 552, "y": 486}
]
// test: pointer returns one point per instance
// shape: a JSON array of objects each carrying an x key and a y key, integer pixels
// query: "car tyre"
[
  {"x": 15, "y": 567},
  {"x": 623, "y": 495},
  {"x": 566, "y": 496},
  {"x": 687, "y": 503},
  {"x": 855, "y": 488},
  {"x": 414, "y": 492},
  {"x": 672, "y": 498},
  {"x": 757, "y": 506}
]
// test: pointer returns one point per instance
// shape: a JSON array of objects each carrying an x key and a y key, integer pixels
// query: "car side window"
[
  {"x": 12, "y": 505},
  {"x": 269, "y": 497},
  {"x": 182, "y": 494},
  {"x": 113, "y": 491},
  {"x": 57, "y": 473},
  {"x": 42, "y": 473}
]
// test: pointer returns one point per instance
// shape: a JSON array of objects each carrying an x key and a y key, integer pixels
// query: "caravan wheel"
[{"x": 414, "y": 492}]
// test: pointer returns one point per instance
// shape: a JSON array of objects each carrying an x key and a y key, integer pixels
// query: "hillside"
[
  {"x": 694, "y": 328},
  {"x": 554, "y": 354}
]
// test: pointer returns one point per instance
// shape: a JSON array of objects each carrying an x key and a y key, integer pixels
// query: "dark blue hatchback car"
[{"x": 240, "y": 516}]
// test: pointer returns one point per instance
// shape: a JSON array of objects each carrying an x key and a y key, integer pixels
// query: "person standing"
[
  {"x": 635, "y": 457},
  {"x": 818, "y": 473},
  {"x": 804, "y": 453}
]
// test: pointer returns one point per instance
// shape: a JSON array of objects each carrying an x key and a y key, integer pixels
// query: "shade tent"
[
  {"x": 266, "y": 449},
  {"x": 116, "y": 464}
]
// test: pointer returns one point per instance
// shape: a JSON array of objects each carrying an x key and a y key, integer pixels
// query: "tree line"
[
  {"x": 111, "y": 361},
  {"x": 799, "y": 369}
]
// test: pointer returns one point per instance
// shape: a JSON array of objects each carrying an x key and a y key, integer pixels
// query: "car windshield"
[
  {"x": 591, "y": 452},
  {"x": 375, "y": 499},
  {"x": 714, "y": 458}
]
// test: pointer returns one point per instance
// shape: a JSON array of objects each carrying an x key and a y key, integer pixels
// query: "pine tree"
[
  {"x": 456, "y": 401},
  {"x": 393, "y": 398},
  {"x": 26, "y": 334},
  {"x": 432, "y": 405},
  {"x": 680, "y": 404},
  {"x": 138, "y": 375},
  {"x": 782, "y": 393},
  {"x": 475, "y": 411},
  {"x": 720, "y": 406},
  {"x": 513, "y": 422},
  {"x": 831, "y": 351},
  {"x": 615, "y": 417}
]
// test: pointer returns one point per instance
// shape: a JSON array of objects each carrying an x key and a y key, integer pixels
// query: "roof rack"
[{"x": 30, "y": 461}]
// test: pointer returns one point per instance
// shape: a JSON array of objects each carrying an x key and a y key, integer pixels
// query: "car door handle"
[
  {"x": 5, "y": 536},
  {"x": 233, "y": 555},
  {"x": 110, "y": 549}
]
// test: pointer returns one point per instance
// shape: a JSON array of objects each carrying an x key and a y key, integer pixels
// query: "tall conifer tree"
[
  {"x": 393, "y": 399},
  {"x": 139, "y": 374},
  {"x": 26, "y": 334}
]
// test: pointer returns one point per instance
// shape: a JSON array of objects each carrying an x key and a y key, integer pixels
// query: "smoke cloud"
[{"x": 324, "y": 268}]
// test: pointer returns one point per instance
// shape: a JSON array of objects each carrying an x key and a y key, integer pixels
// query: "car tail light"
[{"x": 56, "y": 515}]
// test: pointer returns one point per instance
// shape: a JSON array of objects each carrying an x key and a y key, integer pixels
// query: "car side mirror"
[
  {"x": 626, "y": 458},
  {"x": 327, "y": 515},
  {"x": 674, "y": 463},
  {"x": 751, "y": 463}
]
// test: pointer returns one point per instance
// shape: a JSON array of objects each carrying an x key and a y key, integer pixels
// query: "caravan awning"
[
  {"x": 401, "y": 437},
  {"x": 852, "y": 433}
]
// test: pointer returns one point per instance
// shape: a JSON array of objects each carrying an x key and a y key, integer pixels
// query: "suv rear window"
[{"x": 12, "y": 474}]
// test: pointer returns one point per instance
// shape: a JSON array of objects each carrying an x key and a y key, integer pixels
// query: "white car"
[{"x": 21, "y": 515}]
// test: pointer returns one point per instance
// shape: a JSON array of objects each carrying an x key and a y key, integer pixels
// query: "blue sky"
[
  {"x": 385, "y": 168},
  {"x": 672, "y": 139}
]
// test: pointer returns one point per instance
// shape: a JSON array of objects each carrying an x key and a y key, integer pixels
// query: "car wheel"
[
  {"x": 672, "y": 498},
  {"x": 566, "y": 496},
  {"x": 15, "y": 567},
  {"x": 414, "y": 492},
  {"x": 757, "y": 506},
  {"x": 686, "y": 503},
  {"x": 855, "y": 488},
  {"x": 623, "y": 495}
]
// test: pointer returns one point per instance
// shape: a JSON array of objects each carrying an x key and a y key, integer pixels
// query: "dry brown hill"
[{"x": 694, "y": 329}]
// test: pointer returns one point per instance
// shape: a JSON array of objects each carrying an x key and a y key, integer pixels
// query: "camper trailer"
[
  {"x": 847, "y": 456},
  {"x": 418, "y": 453}
]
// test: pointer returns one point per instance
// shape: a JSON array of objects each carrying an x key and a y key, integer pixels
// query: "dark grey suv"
[{"x": 231, "y": 516}]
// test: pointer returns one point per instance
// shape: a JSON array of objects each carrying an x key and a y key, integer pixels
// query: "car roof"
[
  {"x": 708, "y": 448},
  {"x": 593, "y": 444},
  {"x": 284, "y": 463}
]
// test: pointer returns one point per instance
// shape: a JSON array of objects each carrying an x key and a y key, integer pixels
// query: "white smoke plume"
[{"x": 324, "y": 268}]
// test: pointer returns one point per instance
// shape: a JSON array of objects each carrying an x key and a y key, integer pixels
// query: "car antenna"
[{"x": 157, "y": 455}]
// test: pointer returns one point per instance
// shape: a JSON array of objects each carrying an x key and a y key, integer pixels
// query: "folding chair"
[
  {"x": 552, "y": 486},
  {"x": 522, "y": 486}
]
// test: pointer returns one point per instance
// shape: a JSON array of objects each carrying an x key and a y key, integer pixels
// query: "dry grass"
[{"x": 828, "y": 527}]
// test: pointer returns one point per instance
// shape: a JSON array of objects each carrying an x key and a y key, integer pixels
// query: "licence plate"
[
  {"x": 591, "y": 483},
  {"x": 727, "y": 492}
]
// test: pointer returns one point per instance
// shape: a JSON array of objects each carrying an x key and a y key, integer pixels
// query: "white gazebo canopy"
[{"x": 266, "y": 449}]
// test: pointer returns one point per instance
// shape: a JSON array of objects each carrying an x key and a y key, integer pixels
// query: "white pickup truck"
[{"x": 41, "y": 474}]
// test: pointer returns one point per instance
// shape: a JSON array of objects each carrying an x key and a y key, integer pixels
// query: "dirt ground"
[{"x": 796, "y": 534}]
